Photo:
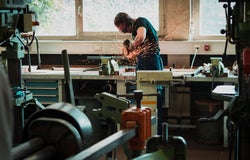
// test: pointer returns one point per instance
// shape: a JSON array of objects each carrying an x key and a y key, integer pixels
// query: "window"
[
  {"x": 212, "y": 18},
  {"x": 99, "y": 15},
  {"x": 57, "y": 17},
  {"x": 208, "y": 19},
  {"x": 86, "y": 19}
]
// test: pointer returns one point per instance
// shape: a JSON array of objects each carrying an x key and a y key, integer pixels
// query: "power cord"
[{"x": 195, "y": 53}]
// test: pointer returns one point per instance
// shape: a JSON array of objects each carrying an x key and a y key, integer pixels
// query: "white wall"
[{"x": 113, "y": 47}]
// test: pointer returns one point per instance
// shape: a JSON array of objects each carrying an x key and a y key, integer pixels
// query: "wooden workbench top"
[{"x": 87, "y": 73}]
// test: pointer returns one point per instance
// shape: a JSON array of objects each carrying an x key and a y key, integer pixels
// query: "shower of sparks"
[
  {"x": 143, "y": 50},
  {"x": 148, "y": 48}
]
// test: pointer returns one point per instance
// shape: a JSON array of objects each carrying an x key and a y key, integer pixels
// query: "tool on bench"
[{"x": 108, "y": 67}]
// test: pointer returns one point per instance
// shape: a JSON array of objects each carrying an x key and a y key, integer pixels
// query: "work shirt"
[{"x": 149, "y": 57}]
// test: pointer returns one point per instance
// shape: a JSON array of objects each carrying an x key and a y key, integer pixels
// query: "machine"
[
  {"x": 15, "y": 20},
  {"x": 62, "y": 131},
  {"x": 238, "y": 111},
  {"x": 238, "y": 33}
]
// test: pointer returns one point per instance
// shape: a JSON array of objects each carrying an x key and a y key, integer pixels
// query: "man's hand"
[
  {"x": 133, "y": 54},
  {"x": 125, "y": 52},
  {"x": 127, "y": 44}
]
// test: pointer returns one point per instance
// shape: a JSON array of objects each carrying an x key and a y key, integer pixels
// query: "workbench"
[
  {"x": 48, "y": 79},
  {"x": 47, "y": 85}
]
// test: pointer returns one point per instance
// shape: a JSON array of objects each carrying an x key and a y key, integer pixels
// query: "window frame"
[{"x": 97, "y": 36}]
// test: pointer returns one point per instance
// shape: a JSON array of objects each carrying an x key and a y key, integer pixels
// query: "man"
[
  {"x": 145, "y": 47},
  {"x": 6, "y": 117}
]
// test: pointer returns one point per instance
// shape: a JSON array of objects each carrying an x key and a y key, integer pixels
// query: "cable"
[
  {"x": 195, "y": 53},
  {"x": 38, "y": 54},
  {"x": 33, "y": 37},
  {"x": 16, "y": 23},
  {"x": 21, "y": 41},
  {"x": 28, "y": 51}
]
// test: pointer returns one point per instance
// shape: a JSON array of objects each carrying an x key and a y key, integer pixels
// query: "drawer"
[{"x": 46, "y": 91}]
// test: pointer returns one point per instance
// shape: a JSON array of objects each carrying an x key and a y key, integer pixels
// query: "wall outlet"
[{"x": 196, "y": 46}]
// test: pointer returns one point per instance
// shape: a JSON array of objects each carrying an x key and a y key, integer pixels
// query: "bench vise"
[{"x": 111, "y": 106}]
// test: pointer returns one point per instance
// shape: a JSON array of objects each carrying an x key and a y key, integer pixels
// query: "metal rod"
[
  {"x": 132, "y": 95},
  {"x": 165, "y": 132},
  {"x": 68, "y": 82},
  {"x": 138, "y": 97},
  {"x": 106, "y": 145},
  {"x": 25, "y": 149},
  {"x": 39, "y": 63},
  {"x": 48, "y": 152}
]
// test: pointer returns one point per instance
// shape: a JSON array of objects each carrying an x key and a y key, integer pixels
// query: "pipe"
[
  {"x": 105, "y": 146},
  {"x": 27, "y": 148}
]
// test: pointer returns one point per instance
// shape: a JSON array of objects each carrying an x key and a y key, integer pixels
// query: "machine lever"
[
  {"x": 68, "y": 82},
  {"x": 223, "y": 31},
  {"x": 216, "y": 117}
]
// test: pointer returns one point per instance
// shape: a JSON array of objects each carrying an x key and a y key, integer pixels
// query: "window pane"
[
  {"x": 98, "y": 15},
  {"x": 212, "y": 17},
  {"x": 57, "y": 17}
]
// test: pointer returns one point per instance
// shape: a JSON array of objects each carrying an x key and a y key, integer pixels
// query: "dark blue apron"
[{"x": 151, "y": 61}]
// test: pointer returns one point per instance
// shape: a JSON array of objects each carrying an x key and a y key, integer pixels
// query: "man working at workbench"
[{"x": 145, "y": 47}]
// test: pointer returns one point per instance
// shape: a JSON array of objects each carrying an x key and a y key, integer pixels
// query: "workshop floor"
[
  {"x": 195, "y": 149},
  {"x": 198, "y": 151}
]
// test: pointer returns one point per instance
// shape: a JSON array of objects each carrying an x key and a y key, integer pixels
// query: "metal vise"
[
  {"x": 108, "y": 67},
  {"x": 112, "y": 106},
  {"x": 217, "y": 67}
]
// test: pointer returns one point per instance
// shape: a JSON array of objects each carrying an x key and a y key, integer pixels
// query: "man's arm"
[
  {"x": 132, "y": 51},
  {"x": 140, "y": 37}
]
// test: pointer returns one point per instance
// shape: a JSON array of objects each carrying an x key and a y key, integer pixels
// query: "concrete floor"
[
  {"x": 195, "y": 149},
  {"x": 199, "y": 151}
]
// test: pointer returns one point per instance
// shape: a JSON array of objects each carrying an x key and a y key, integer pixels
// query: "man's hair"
[{"x": 122, "y": 18}]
